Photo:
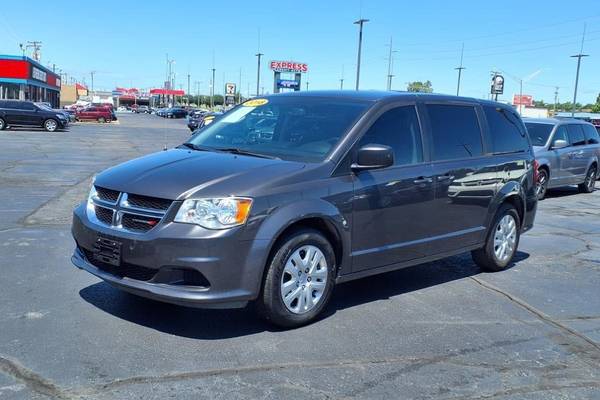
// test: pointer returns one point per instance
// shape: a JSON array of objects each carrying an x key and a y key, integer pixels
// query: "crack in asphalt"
[
  {"x": 33, "y": 381},
  {"x": 540, "y": 314}
]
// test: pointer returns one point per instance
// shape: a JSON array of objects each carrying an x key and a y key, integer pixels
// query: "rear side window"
[
  {"x": 455, "y": 130},
  {"x": 507, "y": 133},
  {"x": 399, "y": 129},
  {"x": 576, "y": 135},
  {"x": 591, "y": 134}
]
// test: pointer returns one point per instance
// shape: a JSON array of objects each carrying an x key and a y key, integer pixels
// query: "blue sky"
[{"x": 126, "y": 42}]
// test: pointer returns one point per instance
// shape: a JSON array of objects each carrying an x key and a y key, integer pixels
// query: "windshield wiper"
[
  {"x": 193, "y": 146},
  {"x": 235, "y": 150}
]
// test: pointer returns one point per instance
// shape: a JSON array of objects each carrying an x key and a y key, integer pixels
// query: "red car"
[{"x": 100, "y": 114}]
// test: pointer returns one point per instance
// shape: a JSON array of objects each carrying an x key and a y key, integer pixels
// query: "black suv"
[
  {"x": 287, "y": 195},
  {"x": 27, "y": 113}
]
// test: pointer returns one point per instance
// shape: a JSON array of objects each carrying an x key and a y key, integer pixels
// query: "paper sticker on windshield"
[{"x": 255, "y": 103}]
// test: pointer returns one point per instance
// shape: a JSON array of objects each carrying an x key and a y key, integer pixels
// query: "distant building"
[{"x": 22, "y": 78}]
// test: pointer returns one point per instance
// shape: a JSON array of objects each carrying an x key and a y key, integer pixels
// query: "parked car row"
[
  {"x": 567, "y": 152},
  {"x": 26, "y": 113}
]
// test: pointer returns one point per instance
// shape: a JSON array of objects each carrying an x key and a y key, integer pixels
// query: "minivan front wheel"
[
  {"x": 590, "y": 181},
  {"x": 502, "y": 241},
  {"x": 542, "y": 184},
  {"x": 2, "y": 124},
  {"x": 50, "y": 125},
  {"x": 299, "y": 279}
]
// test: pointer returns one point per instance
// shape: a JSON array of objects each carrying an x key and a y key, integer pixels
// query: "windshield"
[
  {"x": 290, "y": 128},
  {"x": 539, "y": 133},
  {"x": 43, "y": 107}
]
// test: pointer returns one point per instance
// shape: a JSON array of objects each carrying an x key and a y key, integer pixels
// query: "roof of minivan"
[
  {"x": 555, "y": 121},
  {"x": 379, "y": 95}
]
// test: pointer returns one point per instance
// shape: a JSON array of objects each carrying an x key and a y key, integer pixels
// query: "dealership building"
[{"x": 22, "y": 78}]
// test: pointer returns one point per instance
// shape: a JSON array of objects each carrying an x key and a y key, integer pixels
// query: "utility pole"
[
  {"x": 240, "y": 87},
  {"x": 188, "y": 92},
  {"x": 521, "y": 96},
  {"x": 342, "y": 79},
  {"x": 92, "y": 75},
  {"x": 259, "y": 55},
  {"x": 36, "y": 46},
  {"x": 460, "y": 68},
  {"x": 212, "y": 89},
  {"x": 578, "y": 56},
  {"x": 555, "y": 99},
  {"x": 390, "y": 66},
  {"x": 360, "y": 23}
]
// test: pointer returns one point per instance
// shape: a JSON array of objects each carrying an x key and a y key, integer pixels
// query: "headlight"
[{"x": 215, "y": 213}]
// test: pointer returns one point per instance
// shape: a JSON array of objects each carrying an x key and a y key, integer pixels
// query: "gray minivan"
[
  {"x": 567, "y": 151},
  {"x": 287, "y": 195}
]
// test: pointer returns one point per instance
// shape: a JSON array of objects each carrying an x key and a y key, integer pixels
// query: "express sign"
[{"x": 289, "y": 66}]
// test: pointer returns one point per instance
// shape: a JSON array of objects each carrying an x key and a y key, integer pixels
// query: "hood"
[{"x": 179, "y": 173}]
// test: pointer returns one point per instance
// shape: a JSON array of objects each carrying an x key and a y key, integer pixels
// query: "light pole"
[
  {"x": 212, "y": 89},
  {"x": 92, "y": 75},
  {"x": 360, "y": 23},
  {"x": 342, "y": 79},
  {"x": 460, "y": 69},
  {"x": 258, "y": 55},
  {"x": 578, "y": 56}
]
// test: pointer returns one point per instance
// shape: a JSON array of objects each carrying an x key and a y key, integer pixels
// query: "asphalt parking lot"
[{"x": 442, "y": 330}]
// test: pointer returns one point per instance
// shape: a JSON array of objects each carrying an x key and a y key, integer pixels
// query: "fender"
[
  {"x": 281, "y": 218},
  {"x": 510, "y": 188}
]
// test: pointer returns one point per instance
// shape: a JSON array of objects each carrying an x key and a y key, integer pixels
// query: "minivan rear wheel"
[
  {"x": 2, "y": 124},
  {"x": 541, "y": 186},
  {"x": 502, "y": 241},
  {"x": 299, "y": 279},
  {"x": 589, "y": 183}
]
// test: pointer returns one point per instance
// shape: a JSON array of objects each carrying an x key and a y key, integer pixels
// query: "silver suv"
[{"x": 567, "y": 152}]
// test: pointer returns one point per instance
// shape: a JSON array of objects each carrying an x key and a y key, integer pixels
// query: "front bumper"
[{"x": 232, "y": 268}]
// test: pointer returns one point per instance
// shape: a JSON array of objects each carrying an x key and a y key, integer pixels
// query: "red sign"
[
  {"x": 289, "y": 66},
  {"x": 168, "y": 92},
  {"x": 15, "y": 69},
  {"x": 523, "y": 100},
  {"x": 23, "y": 69}
]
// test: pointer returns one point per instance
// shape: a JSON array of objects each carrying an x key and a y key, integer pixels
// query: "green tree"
[{"x": 422, "y": 87}]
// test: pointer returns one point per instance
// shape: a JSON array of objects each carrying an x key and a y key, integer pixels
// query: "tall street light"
[
  {"x": 390, "y": 66},
  {"x": 578, "y": 56},
  {"x": 360, "y": 23}
]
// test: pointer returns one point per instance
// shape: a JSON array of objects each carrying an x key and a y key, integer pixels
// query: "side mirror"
[
  {"x": 560, "y": 144},
  {"x": 373, "y": 156}
]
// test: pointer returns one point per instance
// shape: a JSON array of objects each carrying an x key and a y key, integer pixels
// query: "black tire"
[
  {"x": 270, "y": 304},
  {"x": 541, "y": 186},
  {"x": 102, "y": 120},
  {"x": 485, "y": 257},
  {"x": 2, "y": 124},
  {"x": 590, "y": 180},
  {"x": 50, "y": 125}
]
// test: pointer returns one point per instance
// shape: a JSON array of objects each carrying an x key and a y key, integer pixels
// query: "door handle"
[
  {"x": 445, "y": 177},
  {"x": 422, "y": 180}
]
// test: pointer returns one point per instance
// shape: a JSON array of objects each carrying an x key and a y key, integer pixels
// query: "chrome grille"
[
  {"x": 107, "y": 194},
  {"x": 127, "y": 212}
]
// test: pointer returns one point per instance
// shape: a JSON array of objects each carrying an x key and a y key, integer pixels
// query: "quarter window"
[
  {"x": 576, "y": 135},
  {"x": 455, "y": 132},
  {"x": 399, "y": 129},
  {"x": 591, "y": 134},
  {"x": 508, "y": 136}
]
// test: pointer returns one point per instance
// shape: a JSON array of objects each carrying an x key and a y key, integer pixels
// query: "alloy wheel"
[
  {"x": 304, "y": 279},
  {"x": 542, "y": 183},
  {"x": 50, "y": 125},
  {"x": 590, "y": 179},
  {"x": 505, "y": 238}
]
